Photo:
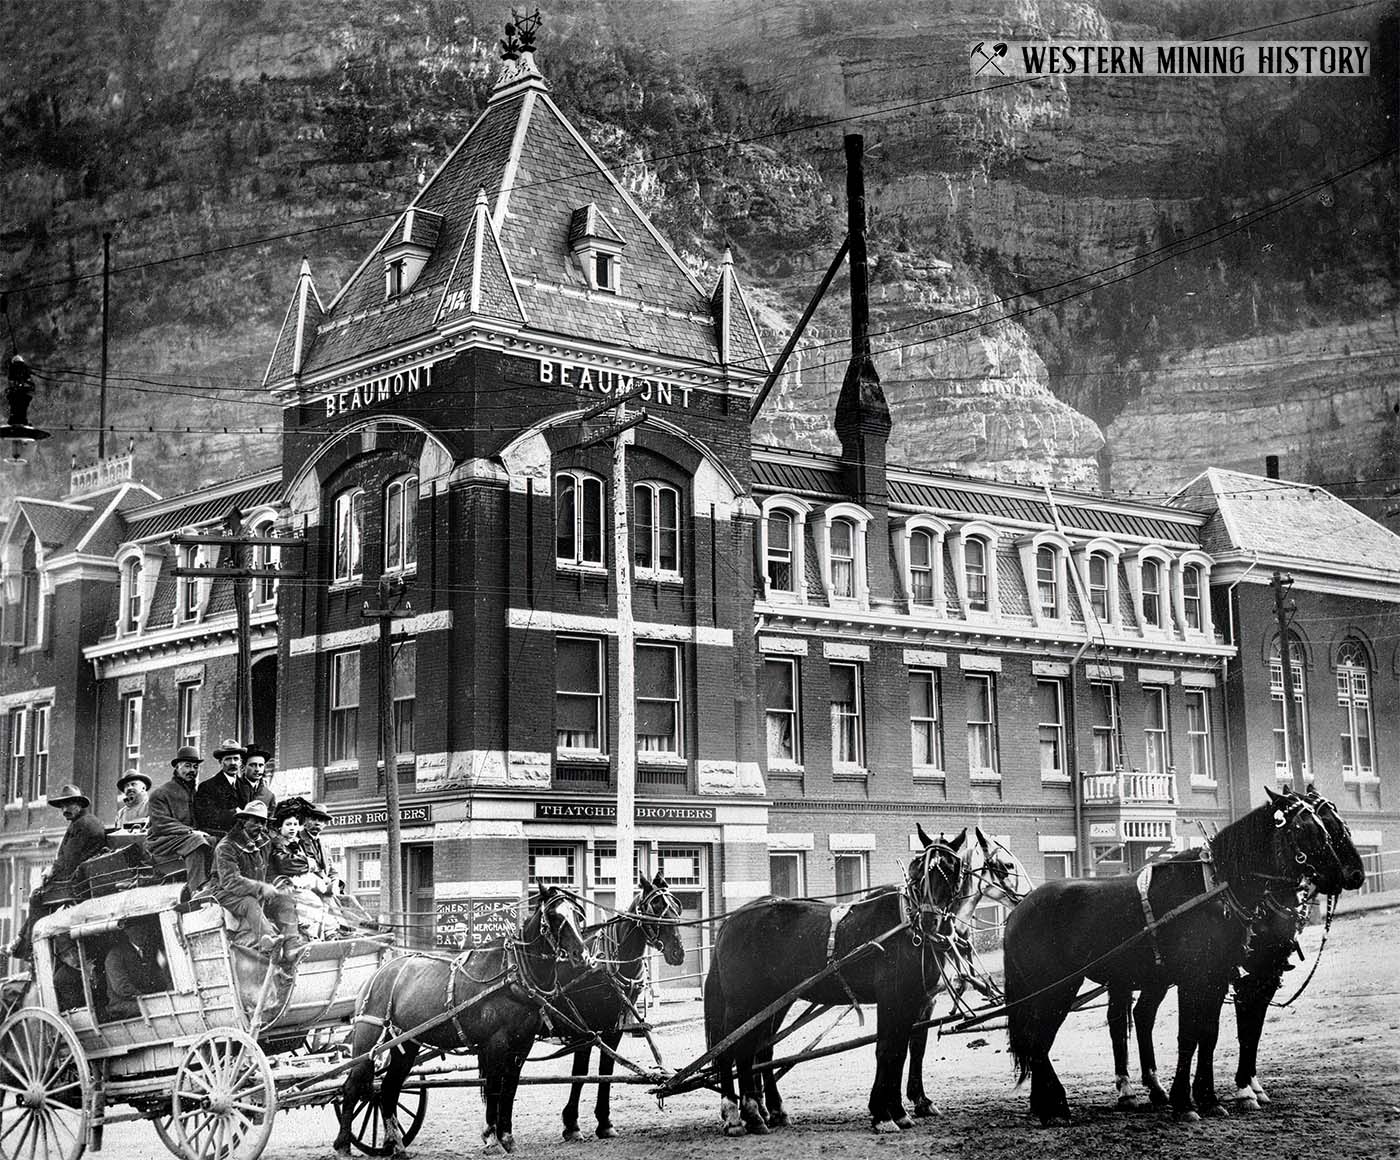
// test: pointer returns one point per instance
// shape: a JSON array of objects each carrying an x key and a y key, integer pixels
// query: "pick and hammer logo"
[{"x": 986, "y": 59}]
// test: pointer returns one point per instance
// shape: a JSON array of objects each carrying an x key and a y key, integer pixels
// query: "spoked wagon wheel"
[
  {"x": 45, "y": 1088},
  {"x": 367, "y": 1125},
  {"x": 224, "y": 1100}
]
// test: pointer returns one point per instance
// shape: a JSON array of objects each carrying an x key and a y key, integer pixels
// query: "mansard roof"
[{"x": 208, "y": 505}]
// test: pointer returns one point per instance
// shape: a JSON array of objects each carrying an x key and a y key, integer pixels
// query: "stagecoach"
[{"x": 221, "y": 1038}]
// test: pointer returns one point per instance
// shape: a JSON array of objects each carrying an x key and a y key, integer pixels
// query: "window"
[
  {"x": 778, "y": 566},
  {"x": 975, "y": 570},
  {"x": 190, "y": 706},
  {"x": 405, "y": 692},
  {"x": 395, "y": 277},
  {"x": 981, "y": 726},
  {"x": 131, "y": 595},
  {"x": 656, "y": 541},
  {"x": 1354, "y": 700},
  {"x": 16, "y": 751},
  {"x": 578, "y": 520},
  {"x": 851, "y": 872},
  {"x": 781, "y": 710},
  {"x": 401, "y": 525},
  {"x": 1191, "y": 596},
  {"x": 1106, "y": 726},
  {"x": 1047, "y": 581},
  {"x": 189, "y": 585},
  {"x": 578, "y": 698},
  {"x": 131, "y": 731},
  {"x": 1154, "y": 728},
  {"x": 1050, "y": 703},
  {"x": 847, "y": 742},
  {"x": 30, "y": 600},
  {"x": 265, "y": 556},
  {"x": 349, "y": 535},
  {"x": 1056, "y": 866},
  {"x": 921, "y": 557},
  {"x": 1098, "y": 586},
  {"x": 1282, "y": 753},
  {"x": 39, "y": 751},
  {"x": 345, "y": 708},
  {"x": 1198, "y": 735},
  {"x": 659, "y": 699},
  {"x": 785, "y": 873},
  {"x": 553, "y": 865},
  {"x": 925, "y": 728},
  {"x": 843, "y": 559},
  {"x": 366, "y": 868},
  {"x": 1152, "y": 593},
  {"x": 603, "y": 272}
]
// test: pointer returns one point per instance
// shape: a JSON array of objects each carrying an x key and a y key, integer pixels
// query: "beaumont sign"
[
  {"x": 605, "y": 382},
  {"x": 605, "y": 812},
  {"x": 380, "y": 390}
]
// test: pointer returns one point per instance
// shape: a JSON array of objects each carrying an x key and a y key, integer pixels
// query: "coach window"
[
  {"x": 349, "y": 536},
  {"x": 656, "y": 537},
  {"x": 401, "y": 525},
  {"x": 578, "y": 520}
]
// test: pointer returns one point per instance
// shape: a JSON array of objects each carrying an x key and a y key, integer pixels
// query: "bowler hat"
[
  {"x": 186, "y": 753},
  {"x": 133, "y": 775},
  {"x": 256, "y": 750},
  {"x": 257, "y": 808},
  {"x": 69, "y": 793},
  {"x": 228, "y": 748}
]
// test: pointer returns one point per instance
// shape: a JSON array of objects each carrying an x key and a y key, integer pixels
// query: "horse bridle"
[
  {"x": 654, "y": 924},
  {"x": 550, "y": 937},
  {"x": 926, "y": 917},
  {"x": 1286, "y": 816}
]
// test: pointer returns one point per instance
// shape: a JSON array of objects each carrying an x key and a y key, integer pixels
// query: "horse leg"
[
  {"x": 914, "y": 1087},
  {"x": 1032, "y": 1024},
  {"x": 774, "y": 1114},
  {"x": 1120, "y": 1004},
  {"x": 750, "y": 1092},
  {"x": 1253, "y": 994},
  {"x": 730, "y": 1120},
  {"x": 602, "y": 1109},
  {"x": 1145, "y": 1018},
  {"x": 490, "y": 1062},
  {"x": 893, "y": 1021},
  {"x": 358, "y": 1084},
  {"x": 571, "y": 1131},
  {"x": 1193, "y": 1028},
  {"x": 510, "y": 1082},
  {"x": 1203, "y": 1090},
  {"x": 401, "y": 1060}
]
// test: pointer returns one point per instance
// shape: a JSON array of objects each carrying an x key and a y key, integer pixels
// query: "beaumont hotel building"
[{"x": 829, "y": 649}]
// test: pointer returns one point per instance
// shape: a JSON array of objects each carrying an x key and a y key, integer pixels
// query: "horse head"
[
  {"x": 1339, "y": 834},
  {"x": 998, "y": 874},
  {"x": 934, "y": 880},
  {"x": 557, "y": 922},
  {"x": 655, "y": 911},
  {"x": 1302, "y": 839}
]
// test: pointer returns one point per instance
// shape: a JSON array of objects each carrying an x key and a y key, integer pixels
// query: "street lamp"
[{"x": 19, "y": 393}]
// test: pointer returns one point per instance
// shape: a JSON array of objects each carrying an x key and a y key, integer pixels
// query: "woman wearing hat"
[
  {"x": 135, "y": 810},
  {"x": 288, "y": 868}
]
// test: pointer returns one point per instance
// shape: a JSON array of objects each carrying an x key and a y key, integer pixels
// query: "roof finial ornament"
[
  {"x": 520, "y": 35},
  {"x": 518, "y": 55}
]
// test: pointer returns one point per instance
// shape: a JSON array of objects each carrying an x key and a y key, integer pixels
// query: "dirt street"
[{"x": 1329, "y": 1063}]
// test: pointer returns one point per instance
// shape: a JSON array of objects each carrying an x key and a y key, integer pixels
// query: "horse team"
[{"x": 1202, "y": 920}]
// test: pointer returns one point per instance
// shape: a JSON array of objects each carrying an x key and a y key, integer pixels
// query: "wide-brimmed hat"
[
  {"x": 257, "y": 808},
  {"x": 186, "y": 753},
  {"x": 315, "y": 811},
  {"x": 256, "y": 750},
  {"x": 69, "y": 793},
  {"x": 227, "y": 748},
  {"x": 133, "y": 775}
]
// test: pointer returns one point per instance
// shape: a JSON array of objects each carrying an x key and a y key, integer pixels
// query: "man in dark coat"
[
  {"x": 267, "y": 916},
  {"x": 216, "y": 801},
  {"x": 85, "y": 838},
  {"x": 172, "y": 831},
  {"x": 252, "y": 782}
]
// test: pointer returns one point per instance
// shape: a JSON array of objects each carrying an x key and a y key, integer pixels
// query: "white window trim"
[
  {"x": 1350, "y": 774},
  {"x": 921, "y": 772},
  {"x": 1178, "y": 582},
  {"x": 799, "y": 510},
  {"x": 1061, "y": 691},
  {"x": 602, "y": 751},
  {"x": 904, "y": 532},
  {"x": 976, "y": 529},
  {"x": 262, "y": 523},
  {"x": 351, "y": 578},
  {"x": 1209, "y": 734},
  {"x": 796, "y": 763},
  {"x": 676, "y": 756},
  {"x": 654, "y": 487},
  {"x": 1028, "y": 547},
  {"x": 1167, "y": 573},
  {"x": 197, "y": 559},
  {"x": 150, "y": 573},
  {"x": 401, "y": 568},
  {"x": 1113, "y": 553},
  {"x": 987, "y": 774},
  {"x": 588, "y": 567},
  {"x": 859, "y": 519}
]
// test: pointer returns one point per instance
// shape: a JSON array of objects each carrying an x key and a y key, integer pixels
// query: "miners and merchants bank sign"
[{"x": 584, "y": 378}]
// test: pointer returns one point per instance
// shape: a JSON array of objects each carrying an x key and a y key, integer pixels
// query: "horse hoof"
[
  {"x": 923, "y": 1109},
  {"x": 493, "y": 1145},
  {"x": 606, "y": 1132},
  {"x": 1127, "y": 1103},
  {"x": 1260, "y": 1095},
  {"x": 735, "y": 1130},
  {"x": 757, "y": 1128},
  {"x": 904, "y": 1123},
  {"x": 885, "y": 1127},
  {"x": 508, "y": 1142},
  {"x": 778, "y": 1120},
  {"x": 1216, "y": 1111},
  {"x": 1191, "y": 1117},
  {"x": 572, "y": 1134}
]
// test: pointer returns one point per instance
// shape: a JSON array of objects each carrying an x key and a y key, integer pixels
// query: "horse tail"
[
  {"x": 714, "y": 1006},
  {"x": 1022, "y": 1020}
]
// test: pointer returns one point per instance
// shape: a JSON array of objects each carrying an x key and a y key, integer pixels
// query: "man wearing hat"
[
  {"x": 134, "y": 812},
  {"x": 267, "y": 916},
  {"x": 85, "y": 838},
  {"x": 252, "y": 783},
  {"x": 172, "y": 832},
  {"x": 216, "y": 801}
]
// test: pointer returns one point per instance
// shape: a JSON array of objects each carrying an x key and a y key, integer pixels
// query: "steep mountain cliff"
[{"x": 996, "y": 211}]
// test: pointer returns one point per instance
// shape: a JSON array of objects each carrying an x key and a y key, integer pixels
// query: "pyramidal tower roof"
[
  {"x": 509, "y": 246},
  {"x": 304, "y": 315}
]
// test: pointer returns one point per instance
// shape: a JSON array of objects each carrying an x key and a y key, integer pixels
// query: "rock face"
[{"x": 1055, "y": 262}]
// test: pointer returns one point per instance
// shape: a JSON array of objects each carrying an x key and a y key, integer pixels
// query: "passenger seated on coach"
[
  {"x": 289, "y": 868},
  {"x": 133, "y": 966},
  {"x": 68, "y": 974}
]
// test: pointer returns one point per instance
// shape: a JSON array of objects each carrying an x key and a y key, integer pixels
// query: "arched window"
[
  {"x": 1047, "y": 581},
  {"x": 656, "y": 538},
  {"x": 189, "y": 585},
  {"x": 265, "y": 556},
  {"x": 578, "y": 520},
  {"x": 778, "y": 565},
  {"x": 1152, "y": 593},
  {"x": 1099, "y": 565},
  {"x": 1191, "y": 596},
  {"x": 1282, "y": 753},
  {"x": 843, "y": 558},
  {"x": 975, "y": 571},
  {"x": 131, "y": 594},
  {"x": 29, "y": 593},
  {"x": 1354, "y": 700},
  {"x": 921, "y": 558},
  {"x": 349, "y": 535},
  {"x": 401, "y": 524}
]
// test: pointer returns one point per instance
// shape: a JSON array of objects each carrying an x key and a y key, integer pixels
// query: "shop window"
[
  {"x": 365, "y": 866},
  {"x": 656, "y": 542},
  {"x": 578, "y": 698},
  {"x": 344, "y": 732},
  {"x": 782, "y": 710},
  {"x": 553, "y": 865},
  {"x": 578, "y": 520},
  {"x": 349, "y": 536},
  {"x": 1055, "y": 866}
]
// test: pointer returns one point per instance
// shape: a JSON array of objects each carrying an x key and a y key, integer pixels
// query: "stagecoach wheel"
[
  {"x": 224, "y": 1098},
  {"x": 45, "y": 1088},
  {"x": 367, "y": 1125},
  {"x": 162, "y": 1126}
]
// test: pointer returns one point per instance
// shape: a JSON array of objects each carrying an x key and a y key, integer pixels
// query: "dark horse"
[
  {"x": 1068, "y": 930},
  {"x": 1272, "y": 940},
  {"x": 500, "y": 985},
  {"x": 597, "y": 1001},
  {"x": 767, "y": 950}
]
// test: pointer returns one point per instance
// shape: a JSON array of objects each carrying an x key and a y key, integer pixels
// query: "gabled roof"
[
  {"x": 304, "y": 315},
  {"x": 56, "y": 525},
  {"x": 735, "y": 330},
  {"x": 1251, "y": 514},
  {"x": 590, "y": 222}
]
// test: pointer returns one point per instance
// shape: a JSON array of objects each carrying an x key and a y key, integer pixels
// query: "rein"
[{"x": 1317, "y": 957}]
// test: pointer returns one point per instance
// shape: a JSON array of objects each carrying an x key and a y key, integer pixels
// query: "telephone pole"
[
  {"x": 1292, "y": 721},
  {"x": 242, "y": 572},
  {"x": 391, "y": 591}
]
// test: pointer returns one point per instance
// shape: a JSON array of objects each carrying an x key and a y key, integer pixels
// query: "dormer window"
[
  {"x": 782, "y": 535},
  {"x": 1047, "y": 581},
  {"x": 408, "y": 249},
  {"x": 975, "y": 570},
  {"x": 841, "y": 551},
  {"x": 843, "y": 559},
  {"x": 921, "y": 548},
  {"x": 596, "y": 248},
  {"x": 131, "y": 595},
  {"x": 1098, "y": 585},
  {"x": 1043, "y": 567},
  {"x": 1152, "y": 593},
  {"x": 189, "y": 585}
]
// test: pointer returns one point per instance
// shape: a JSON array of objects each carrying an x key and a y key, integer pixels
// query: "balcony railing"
[{"x": 1129, "y": 786}]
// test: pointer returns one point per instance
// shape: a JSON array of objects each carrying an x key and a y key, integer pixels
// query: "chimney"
[
  {"x": 1271, "y": 467},
  {"x": 862, "y": 416}
]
